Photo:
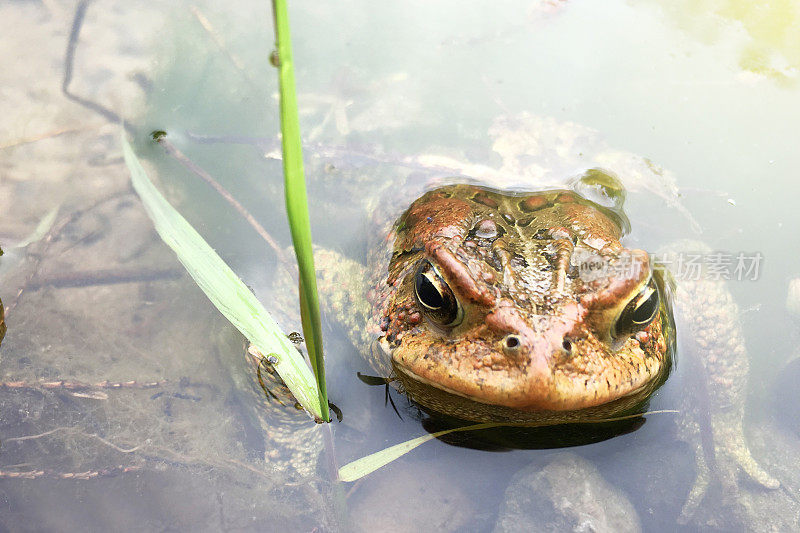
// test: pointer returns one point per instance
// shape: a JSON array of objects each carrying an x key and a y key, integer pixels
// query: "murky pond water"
[{"x": 125, "y": 398}]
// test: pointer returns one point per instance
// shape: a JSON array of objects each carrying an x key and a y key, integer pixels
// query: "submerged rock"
[{"x": 568, "y": 494}]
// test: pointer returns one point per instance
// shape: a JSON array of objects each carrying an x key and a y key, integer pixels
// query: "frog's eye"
[
  {"x": 639, "y": 313},
  {"x": 435, "y": 297}
]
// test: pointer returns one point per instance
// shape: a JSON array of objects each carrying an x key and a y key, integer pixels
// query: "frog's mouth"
[
  {"x": 594, "y": 386},
  {"x": 433, "y": 397}
]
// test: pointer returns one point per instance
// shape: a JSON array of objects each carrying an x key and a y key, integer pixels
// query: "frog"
[
  {"x": 484, "y": 315},
  {"x": 474, "y": 303}
]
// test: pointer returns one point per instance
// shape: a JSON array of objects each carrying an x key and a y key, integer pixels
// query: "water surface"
[{"x": 706, "y": 91}]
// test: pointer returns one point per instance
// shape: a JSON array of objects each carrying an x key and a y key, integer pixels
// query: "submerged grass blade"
[
  {"x": 223, "y": 287},
  {"x": 41, "y": 229},
  {"x": 297, "y": 201},
  {"x": 367, "y": 465}
]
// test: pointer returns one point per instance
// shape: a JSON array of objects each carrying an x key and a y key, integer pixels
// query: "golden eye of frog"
[{"x": 521, "y": 307}]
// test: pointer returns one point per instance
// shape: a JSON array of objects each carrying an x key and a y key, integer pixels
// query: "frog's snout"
[{"x": 519, "y": 342}]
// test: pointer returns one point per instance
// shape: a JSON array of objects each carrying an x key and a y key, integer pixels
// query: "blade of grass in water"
[
  {"x": 366, "y": 465},
  {"x": 41, "y": 229},
  {"x": 297, "y": 201},
  {"x": 370, "y": 463},
  {"x": 224, "y": 288}
]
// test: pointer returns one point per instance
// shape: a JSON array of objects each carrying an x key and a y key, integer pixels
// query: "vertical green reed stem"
[{"x": 297, "y": 201}]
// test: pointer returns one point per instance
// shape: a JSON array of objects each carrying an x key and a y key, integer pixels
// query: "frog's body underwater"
[{"x": 524, "y": 307}]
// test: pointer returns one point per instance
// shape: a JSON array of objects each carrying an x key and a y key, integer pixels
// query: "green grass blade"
[
  {"x": 366, "y": 465},
  {"x": 41, "y": 229},
  {"x": 297, "y": 201},
  {"x": 223, "y": 287}
]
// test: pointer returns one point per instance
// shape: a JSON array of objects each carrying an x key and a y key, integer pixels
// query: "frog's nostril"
[{"x": 512, "y": 345}]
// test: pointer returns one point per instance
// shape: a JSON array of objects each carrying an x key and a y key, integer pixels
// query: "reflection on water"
[
  {"x": 526, "y": 438},
  {"x": 772, "y": 44},
  {"x": 129, "y": 406}
]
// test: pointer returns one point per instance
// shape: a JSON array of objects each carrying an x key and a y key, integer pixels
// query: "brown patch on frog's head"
[{"x": 511, "y": 305}]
